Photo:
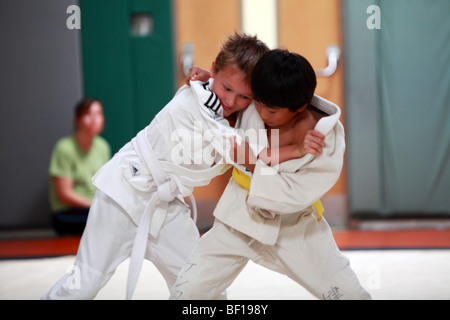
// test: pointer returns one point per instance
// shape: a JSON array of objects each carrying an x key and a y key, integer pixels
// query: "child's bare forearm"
[
  {"x": 312, "y": 143},
  {"x": 273, "y": 156}
]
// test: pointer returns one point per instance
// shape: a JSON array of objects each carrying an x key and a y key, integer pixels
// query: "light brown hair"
[{"x": 241, "y": 50}]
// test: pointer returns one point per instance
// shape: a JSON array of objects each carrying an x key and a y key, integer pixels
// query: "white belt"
[{"x": 155, "y": 212}]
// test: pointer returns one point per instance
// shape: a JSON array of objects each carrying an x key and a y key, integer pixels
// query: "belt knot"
[{"x": 167, "y": 191}]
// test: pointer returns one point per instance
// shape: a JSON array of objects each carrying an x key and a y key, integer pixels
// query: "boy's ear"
[
  {"x": 212, "y": 72},
  {"x": 302, "y": 108}
]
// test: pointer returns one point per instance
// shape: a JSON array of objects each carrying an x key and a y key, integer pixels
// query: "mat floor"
[
  {"x": 386, "y": 274},
  {"x": 405, "y": 264}
]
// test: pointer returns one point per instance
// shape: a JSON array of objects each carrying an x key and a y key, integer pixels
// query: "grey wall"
[
  {"x": 40, "y": 82},
  {"x": 397, "y": 108},
  {"x": 361, "y": 108}
]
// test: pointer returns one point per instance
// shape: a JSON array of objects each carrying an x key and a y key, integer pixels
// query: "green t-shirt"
[{"x": 70, "y": 161}]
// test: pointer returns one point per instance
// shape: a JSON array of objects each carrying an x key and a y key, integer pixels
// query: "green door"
[
  {"x": 398, "y": 107},
  {"x": 128, "y": 62}
]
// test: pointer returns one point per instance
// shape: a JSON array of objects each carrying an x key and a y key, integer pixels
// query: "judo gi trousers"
[
  {"x": 108, "y": 240},
  {"x": 305, "y": 251}
]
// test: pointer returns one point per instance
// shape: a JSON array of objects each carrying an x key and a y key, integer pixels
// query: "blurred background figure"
[{"x": 75, "y": 159}]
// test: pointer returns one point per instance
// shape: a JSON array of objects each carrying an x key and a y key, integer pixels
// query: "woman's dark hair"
[
  {"x": 283, "y": 79},
  {"x": 83, "y": 106}
]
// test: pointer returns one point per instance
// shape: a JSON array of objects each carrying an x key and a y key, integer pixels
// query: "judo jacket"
[
  {"x": 187, "y": 137},
  {"x": 291, "y": 187}
]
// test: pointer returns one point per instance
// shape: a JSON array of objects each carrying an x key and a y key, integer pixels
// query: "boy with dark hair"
[{"x": 269, "y": 216}]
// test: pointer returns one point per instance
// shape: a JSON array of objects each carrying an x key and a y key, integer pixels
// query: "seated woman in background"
[{"x": 75, "y": 159}]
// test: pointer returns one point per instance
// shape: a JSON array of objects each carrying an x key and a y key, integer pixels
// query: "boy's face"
[
  {"x": 276, "y": 117},
  {"x": 232, "y": 89}
]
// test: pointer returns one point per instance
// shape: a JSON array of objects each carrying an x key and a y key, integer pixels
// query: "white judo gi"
[
  {"x": 275, "y": 224},
  {"x": 139, "y": 208}
]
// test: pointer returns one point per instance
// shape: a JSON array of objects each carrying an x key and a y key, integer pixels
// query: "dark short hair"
[
  {"x": 283, "y": 79},
  {"x": 84, "y": 105}
]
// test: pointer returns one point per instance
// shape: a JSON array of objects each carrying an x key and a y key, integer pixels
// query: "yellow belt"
[{"x": 244, "y": 181}]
